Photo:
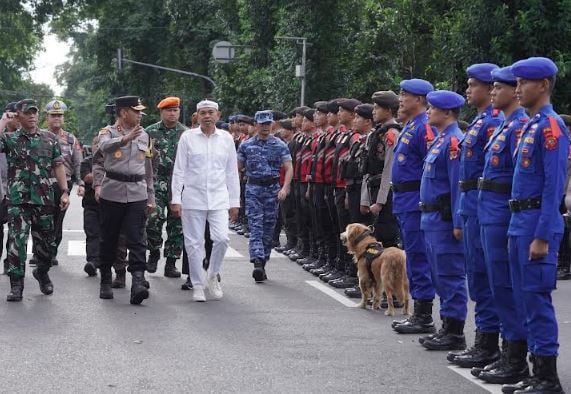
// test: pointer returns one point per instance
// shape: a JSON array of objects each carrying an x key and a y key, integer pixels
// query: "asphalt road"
[{"x": 283, "y": 336}]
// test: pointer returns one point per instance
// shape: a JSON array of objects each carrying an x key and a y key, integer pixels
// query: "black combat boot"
[
  {"x": 345, "y": 282},
  {"x": 336, "y": 273},
  {"x": 481, "y": 354},
  {"x": 90, "y": 268},
  {"x": 451, "y": 356},
  {"x": 138, "y": 290},
  {"x": 105, "y": 286},
  {"x": 546, "y": 379},
  {"x": 453, "y": 338},
  {"x": 46, "y": 285},
  {"x": 514, "y": 370},
  {"x": 120, "y": 279},
  {"x": 420, "y": 322},
  {"x": 441, "y": 332},
  {"x": 16, "y": 289},
  {"x": 170, "y": 268},
  {"x": 522, "y": 384},
  {"x": 259, "y": 272},
  {"x": 154, "y": 257},
  {"x": 476, "y": 371},
  {"x": 320, "y": 261}
]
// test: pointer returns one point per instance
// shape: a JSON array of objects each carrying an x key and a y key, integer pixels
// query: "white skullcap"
[{"x": 207, "y": 104}]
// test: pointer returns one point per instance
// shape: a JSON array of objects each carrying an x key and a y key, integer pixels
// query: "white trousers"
[{"x": 193, "y": 227}]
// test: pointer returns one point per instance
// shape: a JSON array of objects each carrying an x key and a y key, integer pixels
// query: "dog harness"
[{"x": 374, "y": 250}]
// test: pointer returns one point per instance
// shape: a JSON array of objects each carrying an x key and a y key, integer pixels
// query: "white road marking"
[
  {"x": 332, "y": 293},
  {"x": 465, "y": 373},
  {"x": 76, "y": 248},
  {"x": 232, "y": 253}
]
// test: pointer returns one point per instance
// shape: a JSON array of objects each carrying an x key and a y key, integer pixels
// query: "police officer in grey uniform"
[{"x": 126, "y": 194}]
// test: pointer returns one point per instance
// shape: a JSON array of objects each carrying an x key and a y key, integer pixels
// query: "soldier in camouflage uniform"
[
  {"x": 165, "y": 135},
  {"x": 262, "y": 157},
  {"x": 32, "y": 155}
]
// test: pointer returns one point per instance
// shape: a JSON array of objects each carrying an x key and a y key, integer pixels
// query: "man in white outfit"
[{"x": 205, "y": 187}]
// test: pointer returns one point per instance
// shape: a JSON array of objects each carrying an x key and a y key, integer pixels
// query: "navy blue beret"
[
  {"x": 418, "y": 87},
  {"x": 534, "y": 68},
  {"x": 232, "y": 119},
  {"x": 445, "y": 99},
  {"x": 481, "y": 71},
  {"x": 504, "y": 75}
]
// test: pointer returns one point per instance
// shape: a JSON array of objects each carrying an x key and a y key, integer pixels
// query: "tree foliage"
[{"x": 356, "y": 47}]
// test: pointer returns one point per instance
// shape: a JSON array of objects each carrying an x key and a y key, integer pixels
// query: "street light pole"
[{"x": 300, "y": 70}]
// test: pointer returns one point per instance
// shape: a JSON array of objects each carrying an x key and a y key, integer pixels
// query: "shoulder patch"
[
  {"x": 391, "y": 137},
  {"x": 104, "y": 131}
]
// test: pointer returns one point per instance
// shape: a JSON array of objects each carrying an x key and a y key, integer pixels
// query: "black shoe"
[
  {"x": 120, "y": 279},
  {"x": 281, "y": 249},
  {"x": 138, "y": 290},
  {"x": 247, "y": 234},
  {"x": 105, "y": 287},
  {"x": 154, "y": 257},
  {"x": 563, "y": 273},
  {"x": 16, "y": 289},
  {"x": 453, "y": 338},
  {"x": 353, "y": 292},
  {"x": 305, "y": 260},
  {"x": 90, "y": 269},
  {"x": 46, "y": 285},
  {"x": 521, "y": 385},
  {"x": 420, "y": 322},
  {"x": 546, "y": 379},
  {"x": 451, "y": 356},
  {"x": 331, "y": 275},
  {"x": 170, "y": 268},
  {"x": 481, "y": 354},
  {"x": 312, "y": 266},
  {"x": 187, "y": 285},
  {"x": 259, "y": 273},
  {"x": 513, "y": 370},
  {"x": 276, "y": 244},
  {"x": 33, "y": 261},
  {"x": 324, "y": 269},
  {"x": 345, "y": 282},
  {"x": 55, "y": 262},
  {"x": 294, "y": 256},
  {"x": 240, "y": 231}
]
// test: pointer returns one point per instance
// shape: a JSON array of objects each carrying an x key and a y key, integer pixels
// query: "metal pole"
[
  {"x": 172, "y": 69},
  {"x": 303, "y": 52}
]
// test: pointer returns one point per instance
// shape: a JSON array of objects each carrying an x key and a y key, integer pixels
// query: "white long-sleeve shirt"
[{"x": 205, "y": 174}]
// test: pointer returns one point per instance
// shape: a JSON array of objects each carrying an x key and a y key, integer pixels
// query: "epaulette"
[
  {"x": 454, "y": 144},
  {"x": 551, "y": 134}
]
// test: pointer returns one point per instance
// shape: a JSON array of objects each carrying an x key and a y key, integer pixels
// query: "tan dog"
[{"x": 387, "y": 270}]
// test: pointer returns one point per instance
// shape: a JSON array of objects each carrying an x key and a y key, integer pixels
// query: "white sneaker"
[
  {"x": 198, "y": 295},
  {"x": 214, "y": 288}
]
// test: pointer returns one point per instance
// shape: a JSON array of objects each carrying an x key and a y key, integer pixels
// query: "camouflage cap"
[
  {"x": 56, "y": 107},
  {"x": 27, "y": 105}
]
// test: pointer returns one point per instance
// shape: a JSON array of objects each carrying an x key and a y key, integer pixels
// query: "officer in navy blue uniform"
[
  {"x": 409, "y": 154},
  {"x": 262, "y": 157},
  {"x": 536, "y": 225},
  {"x": 494, "y": 215},
  {"x": 471, "y": 166},
  {"x": 439, "y": 221}
]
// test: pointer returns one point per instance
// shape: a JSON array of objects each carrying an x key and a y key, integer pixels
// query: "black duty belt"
[
  {"x": 404, "y": 187},
  {"x": 429, "y": 207},
  {"x": 466, "y": 186},
  {"x": 491, "y": 186},
  {"x": 123, "y": 177},
  {"x": 263, "y": 181},
  {"x": 521, "y": 205}
]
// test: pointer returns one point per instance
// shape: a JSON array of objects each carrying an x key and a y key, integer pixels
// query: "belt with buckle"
[
  {"x": 412, "y": 186},
  {"x": 429, "y": 207},
  {"x": 491, "y": 186},
  {"x": 263, "y": 181},
  {"x": 466, "y": 186},
  {"x": 521, "y": 205},
  {"x": 123, "y": 177}
]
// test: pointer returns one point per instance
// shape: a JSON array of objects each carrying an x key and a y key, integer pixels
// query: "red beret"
[{"x": 169, "y": 102}]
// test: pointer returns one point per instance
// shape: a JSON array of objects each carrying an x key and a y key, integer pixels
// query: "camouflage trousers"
[
  {"x": 261, "y": 210},
  {"x": 156, "y": 221},
  {"x": 22, "y": 218}
]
